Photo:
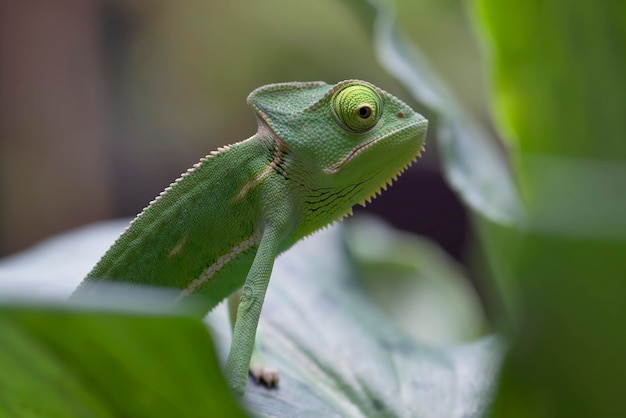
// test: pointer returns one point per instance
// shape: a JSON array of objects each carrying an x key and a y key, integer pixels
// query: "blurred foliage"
[
  {"x": 415, "y": 283},
  {"x": 60, "y": 362},
  {"x": 560, "y": 95},
  {"x": 444, "y": 35}
]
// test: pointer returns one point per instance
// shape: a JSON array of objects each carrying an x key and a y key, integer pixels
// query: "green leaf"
[
  {"x": 420, "y": 288},
  {"x": 473, "y": 165},
  {"x": 339, "y": 355},
  {"x": 62, "y": 362},
  {"x": 560, "y": 94}
]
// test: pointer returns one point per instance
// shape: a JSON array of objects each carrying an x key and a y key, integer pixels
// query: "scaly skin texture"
[{"x": 319, "y": 150}]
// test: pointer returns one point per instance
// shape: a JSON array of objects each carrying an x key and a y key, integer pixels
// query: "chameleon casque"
[{"x": 215, "y": 231}]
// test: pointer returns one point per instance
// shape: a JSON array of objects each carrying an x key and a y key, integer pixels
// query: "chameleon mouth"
[{"x": 365, "y": 145}]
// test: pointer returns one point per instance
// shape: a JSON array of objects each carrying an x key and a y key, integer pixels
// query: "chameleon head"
[{"x": 351, "y": 136}]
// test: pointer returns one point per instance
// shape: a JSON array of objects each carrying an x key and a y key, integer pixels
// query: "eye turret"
[{"x": 357, "y": 107}]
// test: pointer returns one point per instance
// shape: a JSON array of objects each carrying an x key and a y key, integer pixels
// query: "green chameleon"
[{"x": 215, "y": 232}]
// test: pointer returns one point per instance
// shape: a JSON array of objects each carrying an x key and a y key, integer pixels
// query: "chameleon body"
[{"x": 319, "y": 150}]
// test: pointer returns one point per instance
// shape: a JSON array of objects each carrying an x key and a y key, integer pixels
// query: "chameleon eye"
[{"x": 358, "y": 107}]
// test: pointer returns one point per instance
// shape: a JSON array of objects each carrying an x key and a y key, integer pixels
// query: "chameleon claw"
[{"x": 266, "y": 376}]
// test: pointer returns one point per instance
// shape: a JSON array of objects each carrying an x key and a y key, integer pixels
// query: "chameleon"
[{"x": 215, "y": 232}]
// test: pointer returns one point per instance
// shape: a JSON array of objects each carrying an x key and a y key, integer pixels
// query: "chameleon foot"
[{"x": 266, "y": 376}]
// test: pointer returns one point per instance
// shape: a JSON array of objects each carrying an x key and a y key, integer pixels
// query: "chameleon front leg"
[
  {"x": 249, "y": 309},
  {"x": 260, "y": 369}
]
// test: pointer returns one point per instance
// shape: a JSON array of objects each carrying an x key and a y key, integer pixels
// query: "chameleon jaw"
[{"x": 361, "y": 147}]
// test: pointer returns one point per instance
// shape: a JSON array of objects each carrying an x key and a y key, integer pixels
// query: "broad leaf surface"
[{"x": 337, "y": 353}]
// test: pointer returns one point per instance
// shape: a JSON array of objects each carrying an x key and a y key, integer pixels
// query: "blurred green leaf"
[
  {"x": 422, "y": 289},
  {"x": 474, "y": 166},
  {"x": 60, "y": 362},
  {"x": 561, "y": 93}
]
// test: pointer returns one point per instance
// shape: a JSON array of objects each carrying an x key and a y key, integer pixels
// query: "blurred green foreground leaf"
[
  {"x": 60, "y": 362},
  {"x": 560, "y": 93}
]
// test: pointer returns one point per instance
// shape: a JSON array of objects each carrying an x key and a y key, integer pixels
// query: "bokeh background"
[{"x": 104, "y": 103}]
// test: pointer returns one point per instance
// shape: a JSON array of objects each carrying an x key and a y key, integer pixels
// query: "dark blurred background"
[{"x": 104, "y": 103}]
